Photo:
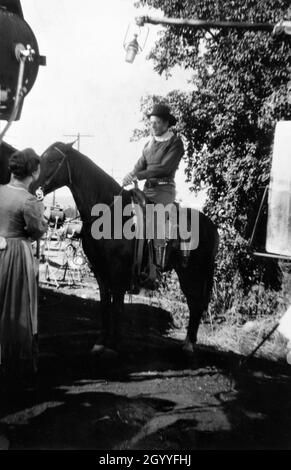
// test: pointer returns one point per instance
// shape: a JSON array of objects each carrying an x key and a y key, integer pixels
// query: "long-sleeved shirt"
[
  {"x": 21, "y": 214},
  {"x": 160, "y": 159}
]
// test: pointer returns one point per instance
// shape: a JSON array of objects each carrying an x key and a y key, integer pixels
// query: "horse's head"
[{"x": 54, "y": 168}]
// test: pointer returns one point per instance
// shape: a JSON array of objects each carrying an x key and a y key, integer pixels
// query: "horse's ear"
[{"x": 71, "y": 144}]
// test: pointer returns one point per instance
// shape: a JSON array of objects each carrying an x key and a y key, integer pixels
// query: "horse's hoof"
[
  {"x": 97, "y": 349},
  {"x": 188, "y": 348},
  {"x": 100, "y": 349},
  {"x": 110, "y": 353},
  {"x": 4, "y": 443}
]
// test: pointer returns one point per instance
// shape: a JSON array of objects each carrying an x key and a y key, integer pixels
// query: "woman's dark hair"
[{"x": 23, "y": 163}]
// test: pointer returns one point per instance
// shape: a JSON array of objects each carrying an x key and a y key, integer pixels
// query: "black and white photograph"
[{"x": 145, "y": 228}]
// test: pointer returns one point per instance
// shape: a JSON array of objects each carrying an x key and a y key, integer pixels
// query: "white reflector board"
[{"x": 279, "y": 201}]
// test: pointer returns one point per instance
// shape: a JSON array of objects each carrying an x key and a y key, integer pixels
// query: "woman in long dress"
[{"x": 21, "y": 221}]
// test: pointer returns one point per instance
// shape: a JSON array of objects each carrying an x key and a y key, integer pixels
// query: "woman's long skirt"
[{"x": 18, "y": 303}]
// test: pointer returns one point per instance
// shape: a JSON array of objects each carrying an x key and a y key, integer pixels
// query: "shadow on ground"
[{"x": 150, "y": 397}]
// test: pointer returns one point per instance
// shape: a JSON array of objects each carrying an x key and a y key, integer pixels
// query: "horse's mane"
[{"x": 101, "y": 185}]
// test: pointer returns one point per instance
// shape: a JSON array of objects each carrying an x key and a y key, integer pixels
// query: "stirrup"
[{"x": 160, "y": 255}]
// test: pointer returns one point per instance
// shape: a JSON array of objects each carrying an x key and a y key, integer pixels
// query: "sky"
[{"x": 88, "y": 88}]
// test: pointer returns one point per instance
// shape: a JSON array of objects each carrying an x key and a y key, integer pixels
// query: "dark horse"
[
  {"x": 6, "y": 151},
  {"x": 111, "y": 259}
]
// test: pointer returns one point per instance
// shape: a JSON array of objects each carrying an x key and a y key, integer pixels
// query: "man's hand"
[{"x": 128, "y": 179}]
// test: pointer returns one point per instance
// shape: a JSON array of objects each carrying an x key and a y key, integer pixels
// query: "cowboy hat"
[{"x": 163, "y": 111}]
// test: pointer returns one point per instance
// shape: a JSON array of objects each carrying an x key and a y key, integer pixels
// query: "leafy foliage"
[{"x": 239, "y": 90}]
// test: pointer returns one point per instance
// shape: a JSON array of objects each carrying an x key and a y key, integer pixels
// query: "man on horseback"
[
  {"x": 157, "y": 165},
  {"x": 160, "y": 158}
]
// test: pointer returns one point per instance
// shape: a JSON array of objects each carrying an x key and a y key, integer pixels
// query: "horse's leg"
[
  {"x": 105, "y": 304},
  {"x": 117, "y": 310},
  {"x": 196, "y": 279},
  {"x": 194, "y": 285},
  {"x": 196, "y": 309}
]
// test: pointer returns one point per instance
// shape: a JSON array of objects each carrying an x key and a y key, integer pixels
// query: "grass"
[
  {"x": 238, "y": 324},
  {"x": 243, "y": 339}
]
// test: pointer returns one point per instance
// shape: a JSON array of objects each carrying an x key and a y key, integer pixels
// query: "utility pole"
[{"x": 78, "y": 138}]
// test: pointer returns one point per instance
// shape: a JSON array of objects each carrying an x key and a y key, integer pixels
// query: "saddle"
[
  {"x": 151, "y": 255},
  {"x": 144, "y": 272}
]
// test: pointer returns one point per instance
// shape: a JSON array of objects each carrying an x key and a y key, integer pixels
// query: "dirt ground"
[{"x": 150, "y": 397}]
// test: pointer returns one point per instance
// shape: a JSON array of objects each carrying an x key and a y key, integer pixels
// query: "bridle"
[{"x": 59, "y": 166}]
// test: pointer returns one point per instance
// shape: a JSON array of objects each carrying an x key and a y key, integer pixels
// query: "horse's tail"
[
  {"x": 211, "y": 241},
  {"x": 213, "y": 253}
]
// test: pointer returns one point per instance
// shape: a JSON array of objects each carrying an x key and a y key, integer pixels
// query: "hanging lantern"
[{"x": 132, "y": 48}]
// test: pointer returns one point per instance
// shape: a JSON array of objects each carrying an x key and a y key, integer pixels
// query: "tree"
[{"x": 228, "y": 119}]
